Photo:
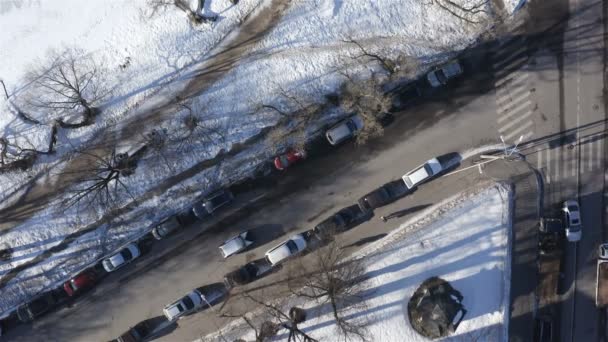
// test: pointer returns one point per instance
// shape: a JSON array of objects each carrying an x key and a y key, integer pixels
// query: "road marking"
[
  {"x": 513, "y": 122},
  {"x": 527, "y": 136},
  {"x": 557, "y": 164},
  {"x": 590, "y": 155},
  {"x": 600, "y": 150},
  {"x": 507, "y": 56},
  {"x": 574, "y": 162},
  {"x": 539, "y": 159},
  {"x": 509, "y": 112},
  {"x": 513, "y": 96},
  {"x": 513, "y": 78},
  {"x": 519, "y": 129}
]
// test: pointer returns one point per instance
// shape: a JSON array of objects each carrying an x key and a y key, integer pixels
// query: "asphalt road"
[
  {"x": 528, "y": 85},
  {"x": 322, "y": 185}
]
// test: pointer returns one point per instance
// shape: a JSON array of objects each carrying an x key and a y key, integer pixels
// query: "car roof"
[
  {"x": 116, "y": 259},
  {"x": 418, "y": 175},
  {"x": 281, "y": 251},
  {"x": 233, "y": 245}
]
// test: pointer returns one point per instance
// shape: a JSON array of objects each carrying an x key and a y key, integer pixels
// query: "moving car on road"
[
  {"x": 384, "y": 195},
  {"x": 82, "y": 281},
  {"x": 422, "y": 173},
  {"x": 344, "y": 130},
  {"x": 572, "y": 216},
  {"x": 285, "y": 160},
  {"x": 212, "y": 203},
  {"x": 37, "y": 307},
  {"x": 235, "y": 244},
  {"x": 442, "y": 75},
  {"x": 295, "y": 245},
  {"x": 183, "y": 306},
  {"x": 127, "y": 254}
]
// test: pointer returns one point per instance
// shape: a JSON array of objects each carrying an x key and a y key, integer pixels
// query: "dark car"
[
  {"x": 167, "y": 226},
  {"x": 247, "y": 273},
  {"x": 339, "y": 222},
  {"x": 384, "y": 195},
  {"x": 83, "y": 281},
  {"x": 550, "y": 235},
  {"x": 137, "y": 333},
  {"x": 543, "y": 329},
  {"x": 212, "y": 202},
  {"x": 27, "y": 312}
]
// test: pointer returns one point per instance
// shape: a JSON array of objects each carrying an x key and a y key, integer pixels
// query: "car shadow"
[
  {"x": 160, "y": 327},
  {"x": 262, "y": 234},
  {"x": 365, "y": 240}
]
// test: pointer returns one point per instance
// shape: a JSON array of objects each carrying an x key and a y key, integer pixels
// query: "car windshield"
[
  {"x": 284, "y": 160},
  {"x": 73, "y": 285},
  {"x": 126, "y": 254},
  {"x": 441, "y": 76},
  {"x": 293, "y": 248},
  {"x": 366, "y": 204},
  {"x": 217, "y": 200},
  {"x": 572, "y": 208},
  {"x": 188, "y": 303},
  {"x": 576, "y": 222}
]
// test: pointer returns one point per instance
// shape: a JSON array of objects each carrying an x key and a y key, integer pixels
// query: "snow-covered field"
[
  {"x": 464, "y": 240},
  {"x": 300, "y": 54}
]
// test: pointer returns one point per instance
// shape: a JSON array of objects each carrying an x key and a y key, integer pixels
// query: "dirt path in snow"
[{"x": 39, "y": 193}]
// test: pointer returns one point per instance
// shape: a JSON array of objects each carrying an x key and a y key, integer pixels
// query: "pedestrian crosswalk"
[
  {"x": 513, "y": 102},
  {"x": 558, "y": 163}
]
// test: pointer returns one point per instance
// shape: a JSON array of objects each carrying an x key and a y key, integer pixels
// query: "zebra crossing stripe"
[
  {"x": 509, "y": 112},
  {"x": 518, "y": 130},
  {"x": 513, "y": 78},
  {"x": 506, "y": 56},
  {"x": 590, "y": 155},
  {"x": 515, "y": 96},
  {"x": 514, "y": 122}
]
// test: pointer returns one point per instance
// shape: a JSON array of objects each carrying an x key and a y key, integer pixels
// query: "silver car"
[
  {"x": 441, "y": 75},
  {"x": 235, "y": 244},
  {"x": 344, "y": 130},
  {"x": 183, "y": 306},
  {"x": 120, "y": 259}
]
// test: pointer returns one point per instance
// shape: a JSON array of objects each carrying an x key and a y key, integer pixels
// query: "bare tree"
[
  {"x": 366, "y": 98},
  {"x": 196, "y": 126},
  {"x": 333, "y": 280},
  {"x": 100, "y": 177},
  {"x": 13, "y": 156},
  {"x": 466, "y": 12},
  {"x": 396, "y": 67},
  {"x": 70, "y": 84},
  {"x": 272, "y": 319},
  {"x": 195, "y": 16}
]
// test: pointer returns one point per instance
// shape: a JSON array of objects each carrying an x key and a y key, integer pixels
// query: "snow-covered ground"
[
  {"x": 464, "y": 240},
  {"x": 300, "y": 55}
]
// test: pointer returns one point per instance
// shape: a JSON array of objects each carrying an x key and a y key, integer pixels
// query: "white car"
[
  {"x": 235, "y": 244},
  {"x": 441, "y": 75},
  {"x": 123, "y": 257},
  {"x": 344, "y": 130},
  {"x": 572, "y": 217},
  {"x": 422, "y": 173},
  {"x": 295, "y": 245},
  {"x": 183, "y": 306}
]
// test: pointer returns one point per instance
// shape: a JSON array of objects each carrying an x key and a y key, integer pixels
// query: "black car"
[
  {"x": 212, "y": 202},
  {"x": 550, "y": 235},
  {"x": 28, "y": 311},
  {"x": 339, "y": 222},
  {"x": 247, "y": 273},
  {"x": 384, "y": 195},
  {"x": 139, "y": 332}
]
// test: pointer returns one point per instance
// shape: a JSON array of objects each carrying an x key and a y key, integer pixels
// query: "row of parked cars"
[{"x": 295, "y": 245}]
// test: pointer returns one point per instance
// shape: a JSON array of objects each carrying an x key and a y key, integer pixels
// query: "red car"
[
  {"x": 82, "y": 281},
  {"x": 285, "y": 160}
]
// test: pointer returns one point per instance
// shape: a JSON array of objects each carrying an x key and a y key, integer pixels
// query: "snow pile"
[
  {"x": 464, "y": 241},
  {"x": 298, "y": 53}
]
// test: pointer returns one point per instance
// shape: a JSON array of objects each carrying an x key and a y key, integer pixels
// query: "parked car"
[
  {"x": 422, "y": 173},
  {"x": 29, "y": 311},
  {"x": 183, "y": 306},
  {"x": 293, "y": 246},
  {"x": 572, "y": 217},
  {"x": 285, "y": 160},
  {"x": 82, "y": 281},
  {"x": 550, "y": 234},
  {"x": 235, "y": 244},
  {"x": 543, "y": 329},
  {"x": 384, "y": 195},
  {"x": 344, "y": 130},
  {"x": 442, "y": 75},
  {"x": 339, "y": 222},
  {"x": 120, "y": 259},
  {"x": 137, "y": 333},
  {"x": 212, "y": 203},
  {"x": 166, "y": 227},
  {"x": 247, "y": 273}
]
